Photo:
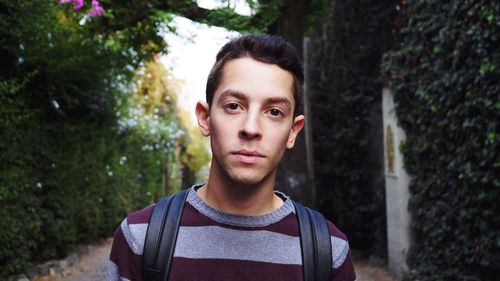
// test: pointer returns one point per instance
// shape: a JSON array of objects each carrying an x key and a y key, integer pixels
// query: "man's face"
[{"x": 250, "y": 121}]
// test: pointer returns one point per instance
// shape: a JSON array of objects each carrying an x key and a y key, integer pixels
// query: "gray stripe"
[
  {"x": 236, "y": 220},
  {"x": 135, "y": 234},
  {"x": 215, "y": 242},
  {"x": 340, "y": 248},
  {"x": 112, "y": 273}
]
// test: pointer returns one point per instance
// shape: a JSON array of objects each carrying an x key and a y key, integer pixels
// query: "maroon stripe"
[
  {"x": 140, "y": 216},
  {"x": 230, "y": 270},
  {"x": 334, "y": 231},
  {"x": 192, "y": 217},
  {"x": 129, "y": 264}
]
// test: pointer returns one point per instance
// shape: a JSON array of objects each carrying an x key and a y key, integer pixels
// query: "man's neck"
[{"x": 237, "y": 199}]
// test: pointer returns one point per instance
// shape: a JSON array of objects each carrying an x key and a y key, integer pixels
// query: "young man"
[{"x": 235, "y": 226}]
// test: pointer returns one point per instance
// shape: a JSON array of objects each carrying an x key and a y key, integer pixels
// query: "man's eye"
[
  {"x": 275, "y": 112},
  {"x": 232, "y": 106}
]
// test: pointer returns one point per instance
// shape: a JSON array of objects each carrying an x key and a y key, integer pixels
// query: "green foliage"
[
  {"x": 445, "y": 79},
  {"x": 268, "y": 12},
  {"x": 345, "y": 95},
  {"x": 232, "y": 20},
  {"x": 317, "y": 12},
  {"x": 71, "y": 167},
  {"x": 196, "y": 154},
  {"x": 264, "y": 14},
  {"x": 131, "y": 27}
]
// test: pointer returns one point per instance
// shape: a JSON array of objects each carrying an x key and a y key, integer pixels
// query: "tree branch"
[{"x": 222, "y": 17}]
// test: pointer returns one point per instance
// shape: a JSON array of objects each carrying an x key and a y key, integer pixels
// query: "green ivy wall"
[{"x": 445, "y": 75}]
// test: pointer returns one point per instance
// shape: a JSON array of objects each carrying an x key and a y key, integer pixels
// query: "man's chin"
[{"x": 248, "y": 180}]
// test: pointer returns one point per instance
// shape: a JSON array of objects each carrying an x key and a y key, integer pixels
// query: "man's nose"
[{"x": 251, "y": 128}]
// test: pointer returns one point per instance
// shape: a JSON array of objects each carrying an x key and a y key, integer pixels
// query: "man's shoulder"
[
  {"x": 141, "y": 216},
  {"x": 332, "y": 228},
  {"x": 335, "y": 231},
  {"x": 340, "y": 245},
  {"x": 135, "y": 224},
  {"x": 133, "y": 229}
]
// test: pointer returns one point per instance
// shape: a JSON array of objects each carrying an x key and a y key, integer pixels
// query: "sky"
[{"x": 192, "y": 53}]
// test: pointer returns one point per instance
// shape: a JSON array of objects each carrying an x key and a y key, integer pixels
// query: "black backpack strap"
[
  {"x": 315, "y": 244},
  {"x": 161, "y": 237}
]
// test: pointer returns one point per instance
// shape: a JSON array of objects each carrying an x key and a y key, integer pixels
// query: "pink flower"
[
  {"x": 96, "y": 11},
  {"x": 77, "y": 4}
]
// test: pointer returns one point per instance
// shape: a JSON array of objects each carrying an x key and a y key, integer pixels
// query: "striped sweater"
[{"x": 212, "y": 245}]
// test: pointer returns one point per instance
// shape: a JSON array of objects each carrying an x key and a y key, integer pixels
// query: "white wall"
[{"x": 396, "y": 189}]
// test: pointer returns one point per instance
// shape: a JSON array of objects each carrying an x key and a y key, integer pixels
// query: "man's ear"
[
  {"x": 202, "y": 111},
  {"x": 298, "y": 124}
]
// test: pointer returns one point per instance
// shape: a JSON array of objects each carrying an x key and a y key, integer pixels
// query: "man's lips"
[
  {"x": 248, "y": 153},
  {"x": 247, "y": 156}
]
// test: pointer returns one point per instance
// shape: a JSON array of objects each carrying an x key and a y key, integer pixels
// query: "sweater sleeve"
[
  {"x": 345, "y": 272},
  {"x": 125, "y": 260},
  {"x": 342, "y": 265}
]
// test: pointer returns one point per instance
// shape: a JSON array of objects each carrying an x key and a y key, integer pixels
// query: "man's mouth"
[{"x": 248, "y": 156}]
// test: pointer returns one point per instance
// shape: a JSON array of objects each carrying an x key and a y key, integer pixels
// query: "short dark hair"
[{"x": 269, "y": 49}]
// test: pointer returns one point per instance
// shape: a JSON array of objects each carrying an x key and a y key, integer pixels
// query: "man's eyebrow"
[
  {"x": 232, "y": 93},
  {"x": 282, "y": 100}
]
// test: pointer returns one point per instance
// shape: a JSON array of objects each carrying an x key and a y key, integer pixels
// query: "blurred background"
[{"x": 401, "y": 149}]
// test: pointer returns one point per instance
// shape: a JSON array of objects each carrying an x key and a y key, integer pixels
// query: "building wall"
[{"x": 396, "y": 189}]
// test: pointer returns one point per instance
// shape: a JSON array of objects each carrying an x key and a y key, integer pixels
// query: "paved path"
[
  {"x": 367, "y": 272},
  {"x": 92, "y": 267}
]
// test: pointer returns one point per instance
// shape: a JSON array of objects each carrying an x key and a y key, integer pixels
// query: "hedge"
[
  {"x": 73, "y": 158},
  {"x": 63, "y": 184},
  {"x": 445, "y": 78}
]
